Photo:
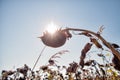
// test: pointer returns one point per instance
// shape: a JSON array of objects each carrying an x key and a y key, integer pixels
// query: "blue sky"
[{"x": 22, "y": 21}]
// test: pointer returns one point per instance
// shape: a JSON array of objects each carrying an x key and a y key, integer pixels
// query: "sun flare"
[{"x": 51, "y": 28}]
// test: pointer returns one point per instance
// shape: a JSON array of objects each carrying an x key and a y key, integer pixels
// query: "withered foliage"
[
  {"x": 86, "y": 48},
  {"x": 51, "y": 62},
  {"x": 56, "y": 55},
  {"x": 44, "y": 68},
  {"x": 115, "y": 59},
  {"x": 97, "y": 44},
  {"x": 116, "y": 62},
  {"x": 73, "y": 67},
  {"x": 23, "y": 70},
  {"x": 86, "y": 34},
  {"x": 67, "y": 33},
  {"x": 88, "y": 63},
  {"x": 5, "y": 74},
  {"x": 115, "y": 45},
  {"x": 81, "y": 62}
]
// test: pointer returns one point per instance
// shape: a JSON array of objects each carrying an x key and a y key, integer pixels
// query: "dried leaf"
[
  {"x": 116, "y": 62},
  {"x": 97, "y": 44},
  {"x": 86, "y": 34},
  {"x": 56, "y": 55},
  {"x": 73, "y": 67},
  {"x": 81, "y": 63},
  {"x": 44, "y": 67},
  {"x": 88, "y": 63},
  {"x": 83, "y": 53},
  {"x": 86, "y": 48},
  {"x": 62, "y": 52},
  {"x": 51, "y": 62},
  {"x": 115, "y": 45}
]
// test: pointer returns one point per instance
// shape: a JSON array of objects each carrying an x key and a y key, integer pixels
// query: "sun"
[{"x": 51, "y": 28}]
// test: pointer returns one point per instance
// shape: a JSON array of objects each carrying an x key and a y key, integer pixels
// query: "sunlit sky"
[{"x": 22, "y": 21}]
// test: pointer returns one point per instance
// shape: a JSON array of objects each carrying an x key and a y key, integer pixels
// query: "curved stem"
[
  {"x": 38, "y": 58},
  {"x": 108, "y": 45}
]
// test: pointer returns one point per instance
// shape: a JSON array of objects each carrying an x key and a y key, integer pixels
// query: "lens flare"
[{"x": 51, "y": 28}]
